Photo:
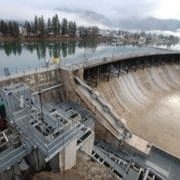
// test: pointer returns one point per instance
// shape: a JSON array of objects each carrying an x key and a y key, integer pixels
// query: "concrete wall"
[
  {"x": 67, "y": 157},
  {"x": 36, "y": 160},
  {"x": 34, "y": 79},
  {"x": 38, "y": 81},
  {"x": 88, "y": 144}
]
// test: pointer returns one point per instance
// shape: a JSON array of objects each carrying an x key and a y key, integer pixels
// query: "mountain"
[
  {"x": 85, "y": 18},
  {"x": 90, "y": 18},
  {"x": 149, "y": 24}
]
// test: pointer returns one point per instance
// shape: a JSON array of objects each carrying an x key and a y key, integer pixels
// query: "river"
[{"x": 18, "y": 57}]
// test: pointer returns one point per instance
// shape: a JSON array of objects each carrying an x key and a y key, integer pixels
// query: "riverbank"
[
  {"x": 38, "y": 38},
  {"x": 52, "y": 38}
]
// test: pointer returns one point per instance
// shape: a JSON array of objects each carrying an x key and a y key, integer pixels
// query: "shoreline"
[
  {"x": 37, "y": 38},
  {"x": 45, "y": 38}
]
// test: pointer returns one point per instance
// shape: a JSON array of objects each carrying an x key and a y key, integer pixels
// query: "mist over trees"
[{"x": 40, "y": 27}]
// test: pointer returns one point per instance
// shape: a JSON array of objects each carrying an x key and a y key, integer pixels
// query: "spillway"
[{"x": 149, "y": 100}]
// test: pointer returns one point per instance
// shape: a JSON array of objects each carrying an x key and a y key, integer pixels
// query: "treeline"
[
  {"x": 9, "y": 28},
  {"x": 50, "y": 27}
]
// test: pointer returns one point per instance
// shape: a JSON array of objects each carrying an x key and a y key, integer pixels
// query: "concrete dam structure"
[
  {"x": 144, "y": 94},
  {"x": 149, "y": 100},
  {"x": 130, "y": 104}
]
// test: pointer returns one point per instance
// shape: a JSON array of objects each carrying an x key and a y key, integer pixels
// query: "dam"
[{"x": 128, "y": 104}]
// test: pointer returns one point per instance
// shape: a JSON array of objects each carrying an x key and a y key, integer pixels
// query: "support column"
[
  {"x": 146, "y": 174},
  {"x": 127, "y": 67},
  {"x": 97, "y": 75},
  {"x": 109, "y": 74},
  {"x": 67, "y": 157},
  {"x": 88, "y": 144},
  {"x": 119, "y": 68}
]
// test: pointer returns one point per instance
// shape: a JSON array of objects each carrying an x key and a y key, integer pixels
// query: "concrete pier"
[{"x": 67, "y": 157}]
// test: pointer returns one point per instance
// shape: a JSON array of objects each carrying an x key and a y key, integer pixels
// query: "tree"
[
  {"x": 64, "y": 26},
  {"x": 15, "y": 27},
  {"x": 27, "y": 27},
  {"x": 56, "y": 25},
  {"x": 3, "y": 27},
  {"x": 72, "y": 28},
  {"x": 36, "y": 25},
  {"x": 49, "y": 25},
  {"x": 41, "y": 25},
  {"x": 81, "y": 31},
  {"x": 94, "y": 32},
  {"x": 10, "y": 28}
]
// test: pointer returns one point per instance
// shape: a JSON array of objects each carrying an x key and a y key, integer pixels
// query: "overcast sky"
[{"x": 26, "y": 9}]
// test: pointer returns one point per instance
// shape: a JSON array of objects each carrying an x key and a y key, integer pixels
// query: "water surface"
[{"x": 20, "y": 57}]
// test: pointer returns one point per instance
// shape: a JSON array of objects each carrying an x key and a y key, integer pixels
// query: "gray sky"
[{"x": 25, "y": 9}]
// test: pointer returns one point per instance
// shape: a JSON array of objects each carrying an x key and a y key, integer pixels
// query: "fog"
[{"x": 115, "y": 9}]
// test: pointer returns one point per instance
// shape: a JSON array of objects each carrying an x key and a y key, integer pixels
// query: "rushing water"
[{"x": 19, "y": 57}]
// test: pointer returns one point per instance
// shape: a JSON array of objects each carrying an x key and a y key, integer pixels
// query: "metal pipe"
[
  {"x": 146, "y": 174},
  {"x": 47, "y": 89}
]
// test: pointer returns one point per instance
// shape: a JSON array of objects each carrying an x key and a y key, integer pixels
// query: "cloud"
[
  {"x": 26, "y": 9},
  {"x": 168, "y": 9},
  {"x": 16, "y": 11},
  {"x": 138, "y": 9}
]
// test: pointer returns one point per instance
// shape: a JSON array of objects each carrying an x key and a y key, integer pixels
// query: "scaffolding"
[{"x": 49, "y": 130}]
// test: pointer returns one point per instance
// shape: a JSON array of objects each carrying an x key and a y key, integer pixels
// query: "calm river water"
[{"x": 19, "y": 57}]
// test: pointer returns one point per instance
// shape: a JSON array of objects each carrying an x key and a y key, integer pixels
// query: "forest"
[{"x": 41, "y": 27}]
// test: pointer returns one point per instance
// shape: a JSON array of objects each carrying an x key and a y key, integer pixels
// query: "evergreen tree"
[
  {"x": 3, "y": 27},
  {"x": 49, "y": 25},
  {"x": 94, "y": 32},
  {"x": 36, "y": 25},
  {"x": 10, "y": 28},
  {"x": 56, "y": 25},
  {"x": 28, "y": 27},
  {"x": 72, "y": 28},
  {"x": 15, "y": 27},
  {"x": 64, "y": 26},
  {"x": 41, "y": 25},
  {"x": 82, "y": 32}
]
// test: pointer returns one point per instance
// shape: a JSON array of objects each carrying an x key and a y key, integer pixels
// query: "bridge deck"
[{"x": 92, "y": 62}]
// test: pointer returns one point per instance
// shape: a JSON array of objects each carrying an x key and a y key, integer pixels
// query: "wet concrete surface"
[
  {"x": 149, "y": 100},
  {"x": 162, "y": 162}
]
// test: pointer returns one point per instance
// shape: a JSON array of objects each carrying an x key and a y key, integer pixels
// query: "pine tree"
[
  {"x": 72, "y": 28},
  {"x": 64, "y": 26},
  {"x": 41, "y": 25},
  {"x": 28, "y": 27},
  {"x": 15, "y": 28},
  {"x": 36, "y": 25},
  {"x": 56, "y": 25},
  {"x": 49, "y": 25},
  {"x": 3, "y": 27}
]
